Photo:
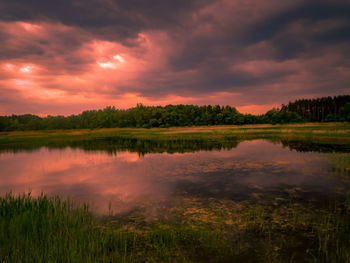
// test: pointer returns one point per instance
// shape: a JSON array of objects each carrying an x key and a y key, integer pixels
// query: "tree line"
[
  {"x": 141, "y": 116},
  {"x": 321, "y": 109}
]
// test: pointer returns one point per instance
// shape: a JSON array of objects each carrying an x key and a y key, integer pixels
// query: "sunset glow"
[
  {"x": 251, "y": 56},
  {"x": 106, "y": 65},
  {"x": 119, "y": 58},
  {"x": 26, "y": 69}
]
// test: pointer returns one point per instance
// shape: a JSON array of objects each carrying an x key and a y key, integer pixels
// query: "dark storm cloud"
[
  {"x": 52, "y": 46},
  {"x": 341, "y": 34},
  {"x": 119, "y": 20},
  {"x": 268, "y": 51},
  {"x": 290, "y": 44},
  {"x": 301, "y": 32},
  {"x": 311, "y": 11}
]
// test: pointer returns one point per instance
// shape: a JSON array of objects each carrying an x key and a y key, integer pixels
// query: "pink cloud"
[{"x": 239, "y": 53}]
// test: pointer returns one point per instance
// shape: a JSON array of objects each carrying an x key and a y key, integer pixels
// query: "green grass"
[
  {"x": 323, "y": 131},
  {"x": 51, "y": 230},
  {"x": 323, "y": 137},
  {"x": 46, "y": 229},
  {"x": 181, "y": 139}
]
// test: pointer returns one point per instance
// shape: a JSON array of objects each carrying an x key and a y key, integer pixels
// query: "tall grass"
[{"x": 46, "y": 229}]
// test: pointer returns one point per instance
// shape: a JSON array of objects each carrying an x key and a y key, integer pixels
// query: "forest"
[
  {"x": 321, "y": 109},
  {"x": 325, "y": 109}
]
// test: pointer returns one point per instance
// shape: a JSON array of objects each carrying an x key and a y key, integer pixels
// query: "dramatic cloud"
[{"x": 62, "y": 57}]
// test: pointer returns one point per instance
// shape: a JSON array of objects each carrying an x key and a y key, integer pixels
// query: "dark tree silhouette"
[{"x": 141, "y": 116}]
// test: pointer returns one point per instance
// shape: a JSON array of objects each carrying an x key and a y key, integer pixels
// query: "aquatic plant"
[{"x": 44, "y": 229}]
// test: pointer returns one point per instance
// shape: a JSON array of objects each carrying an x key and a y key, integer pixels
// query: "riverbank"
[{"x": 315, "y": 131}]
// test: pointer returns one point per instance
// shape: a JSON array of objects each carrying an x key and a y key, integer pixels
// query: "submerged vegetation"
[
  {"x": 43, "y": 229},
  {"x": 322, "y": 109}
]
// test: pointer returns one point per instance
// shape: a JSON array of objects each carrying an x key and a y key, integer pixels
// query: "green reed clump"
[
  {"x": 46, "y": 229},
  {"x": 43, "y": 229}
]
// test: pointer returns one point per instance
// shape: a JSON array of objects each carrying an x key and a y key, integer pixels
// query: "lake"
[{"x": 125, "y": 175}]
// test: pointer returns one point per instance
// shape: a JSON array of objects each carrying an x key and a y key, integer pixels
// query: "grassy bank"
[
  {"x": 53, "y": 230},
  {"x": 315, "y": 131}
]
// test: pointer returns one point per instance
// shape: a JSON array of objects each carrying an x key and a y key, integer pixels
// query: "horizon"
[
  {"x": 43, "y": 115},
  {"x": 253, "y": 110},
  {"x": 66, "y": 57},
  {"x": 239, "y": 109}
]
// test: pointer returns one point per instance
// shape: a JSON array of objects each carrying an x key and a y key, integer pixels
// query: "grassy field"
[
  {"x": 315, "y": 131},
  {"x": 46, "y": 229}
]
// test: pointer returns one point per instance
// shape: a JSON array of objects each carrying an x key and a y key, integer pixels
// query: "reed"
[{"x": 43, "y": 229}]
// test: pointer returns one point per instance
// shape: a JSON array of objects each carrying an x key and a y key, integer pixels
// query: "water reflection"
[
  {"x": 113, "y": 145},
  {"x": 129, "y": 178}
]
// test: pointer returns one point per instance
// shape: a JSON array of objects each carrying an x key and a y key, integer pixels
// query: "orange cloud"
[{"x": 223, "y": 52}]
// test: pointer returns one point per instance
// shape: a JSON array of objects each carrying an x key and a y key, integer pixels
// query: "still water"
[{"x": 127, "y": 179}]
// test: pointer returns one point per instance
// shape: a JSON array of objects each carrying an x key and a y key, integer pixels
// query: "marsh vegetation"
[
  {"x": 46, "y": 229},
  {"x": 223, "y": 194}
]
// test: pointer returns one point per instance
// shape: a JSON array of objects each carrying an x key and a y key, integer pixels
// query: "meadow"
[
  {"x": 316, "y": 131},
  {"x": 272, "y": 228}
]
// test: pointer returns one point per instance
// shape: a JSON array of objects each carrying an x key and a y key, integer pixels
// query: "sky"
[{"x": 63, "y": 57}]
